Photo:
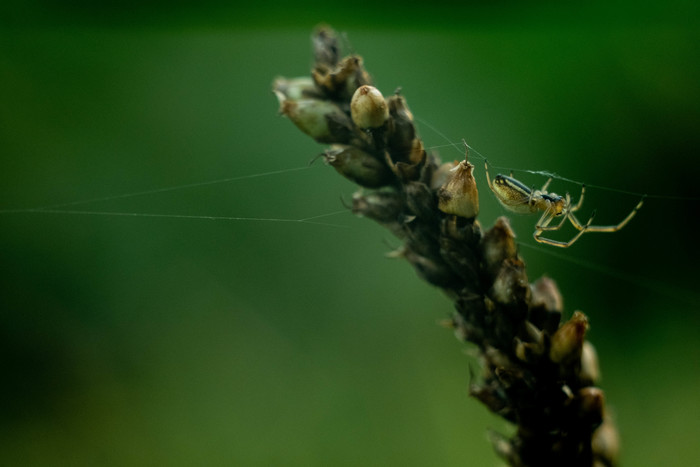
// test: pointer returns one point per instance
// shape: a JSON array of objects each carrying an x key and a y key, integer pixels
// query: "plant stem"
[{"x": 537, "y": 372}]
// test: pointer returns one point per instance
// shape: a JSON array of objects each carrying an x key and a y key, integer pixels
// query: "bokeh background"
[{"x": 131, "y": 340}]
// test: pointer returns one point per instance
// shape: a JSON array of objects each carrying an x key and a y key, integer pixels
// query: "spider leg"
[
  {"x": 546, "y": 184},
  {"x": 580, "y": 200},
  {"x": 488, "y": 179},
  {"x": 607, "y": 228},
  {"x": 543, "y": 225},
  {"x": 560, "y": 244}
]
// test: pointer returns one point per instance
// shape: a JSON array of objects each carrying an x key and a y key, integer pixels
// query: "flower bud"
[
  {"x": 322, "y": 120},
  {"x": 420, "y": 200},
  {"x": 401, "y": 128},
  {"x": 589, "y": 372},
  {"x": 459, "y": 195},
  {"x": 606, "y": 443},
  {"x": 342, "y": 81},
  {"x": 590, "y": 406},
  {"x": 326, "y": 49},
  {"x": 511, "y": 284},
  {"x": 498, "y": 244},
  {"x": 442, "y": 174},
  {"x": 368, "y": 107},
  {"x": 567, "y": 342},
  {"x": 530, "y": 350},
  {"x": 295, "y": 88},
  {"x": 358, "y": 166},
  {"x": 546, "y": 304},
  {"x": 430, "y": 270},
  {"x": 383, "y": 207}
]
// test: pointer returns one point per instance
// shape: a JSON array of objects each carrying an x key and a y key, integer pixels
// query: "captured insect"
[{"x": 518, "y": 198}]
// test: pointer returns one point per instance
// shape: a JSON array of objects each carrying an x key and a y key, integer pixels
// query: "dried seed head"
[
  {"x": 546, "y": 305},
  {"x": 420, "y": 200},
  {"x": 504, "y": 448},
  {"x": 567, "y": 342},
  {"x": 341, "y": 81},
  {"x": 531, "y": 349},
  {"x": 511, "y": 285},
  {"x": 322, "y": 120},
  {"x": 401, "y": 128},
  {"x": 606, "y": 443},
  {"x": 383, "y": 207},
  {"x": 490, "y": 396},
  {"x": 590, "y": 404},
  {"x": 498, "y": 244},
  {"x": 368, "y": 107},
  {"x": 545, "y": 294},
  {"x": 431, "y": 270},
  {"x": 459, "y": 195},
  {"x": 358, "y": 166},
  {"x": 326, "y": 49},
  {"x": 442, "y": 174},
  {"x": 589, "y": 372},
  {"x": 295, "y": 88}
]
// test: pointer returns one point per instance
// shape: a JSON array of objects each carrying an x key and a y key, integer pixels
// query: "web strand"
[{"x": 307, "y": 220}]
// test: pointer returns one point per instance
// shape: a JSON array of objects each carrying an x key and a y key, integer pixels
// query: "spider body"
[{"x": 518, "y": 198}]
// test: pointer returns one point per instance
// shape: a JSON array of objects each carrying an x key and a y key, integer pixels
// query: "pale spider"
[{"x": 518, "y": 198}]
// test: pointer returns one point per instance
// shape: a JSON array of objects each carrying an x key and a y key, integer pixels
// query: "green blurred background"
[{"x": 171, "y": 341}]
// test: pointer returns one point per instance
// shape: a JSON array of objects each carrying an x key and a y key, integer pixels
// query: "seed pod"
[
  {"x": 459, "y": 195},
  {"x": 432, "y": 271},
  {"x": 342, "y": 81},
  {"x": 368, "y": 107},
  {"x": 589, "y": 372},
  {"x": 531, "y": 349},
  {"x": 420, "y": 200},
  {"x": 497, "y": 245},
  {"x": 606, "y": 443},
  {"x": 567, "y": 342},
  {"x": 504, "y": 448},
  {"x": 322, "y": 120},
  {"x": 442, "y": 174},
  {"x": 546, "y": 304},
  {"x": 295, "y": 88},
  {"x": 590, "y": 405},
  {"x": 402, "y": 131},
  {"x": 326, "y": 49},
  {"x": 511, "y": 285},
  {"x": 383, "y": 207},
  {"x": 358, "y": 166}
]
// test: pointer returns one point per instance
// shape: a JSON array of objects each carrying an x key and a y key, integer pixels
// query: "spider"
[{"x": 518, "y": 198}]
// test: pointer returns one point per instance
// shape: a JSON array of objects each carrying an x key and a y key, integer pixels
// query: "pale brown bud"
[
  {"x": 295, "y": 88},
  {"x": 498, "y": 244},
  {"x": 545, "y": 293},
  {"x": 368, "y": 107},
  {"x": 546, "y": 304},
  {"x": 531, "y": 349},
  {"x": 590, "y": 405},
  {"x": 326, "y": 49},
  {"x": 322, "y": 120},
  {"x": 590, "y": 370},
  {"x": 442, "y": 174},
  {"x": 358, "y": 166},
  {"x": 382, "y": 206},
  {"x": 511, "y": 285},
  {"x": 567, "y": 342},
  {"x": 341, "y": 81},
  {"x": 459, "y": 195},
  {"x": 401, "y": 128},
  {"x": 606, "y": 443},
  {"x": 430, "y": 270}
]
